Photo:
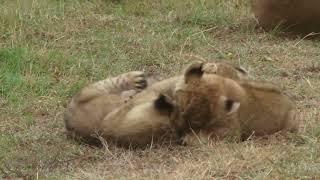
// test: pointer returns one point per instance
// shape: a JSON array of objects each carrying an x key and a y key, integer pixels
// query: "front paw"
[
  {"x": 137, "y": 80},
  {"x": 189, "y": 139},
  {"x": 210, "y": 68}
]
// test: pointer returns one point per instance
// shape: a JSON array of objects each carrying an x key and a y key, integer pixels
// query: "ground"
[{"x": 49, "y": 49}]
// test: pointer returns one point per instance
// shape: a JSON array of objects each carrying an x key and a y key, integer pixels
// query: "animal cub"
[
  {"x": 126, "y": 110},
  {"x": 214, "y": 107},
  {"x": 119, "y": 110},
  {"x": 291, "y": 15}
]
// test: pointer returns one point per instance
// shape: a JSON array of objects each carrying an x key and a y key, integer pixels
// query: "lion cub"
[
  {"x": 292, "y": 15},
  {"x": 123, "y": 109},
  {"x": 214, "y": 107},
  {"x": 118, "y": 109}
]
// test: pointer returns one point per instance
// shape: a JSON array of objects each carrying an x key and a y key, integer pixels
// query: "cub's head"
[{"x": 203, "y": 100}]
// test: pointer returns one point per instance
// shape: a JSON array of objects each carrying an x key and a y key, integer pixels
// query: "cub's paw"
[
  {"x": 190, "y": 140},
  {"x": 200, "y": 138},
  {"x": 210, "y": 68},
  {"x": 136, "y": 80}
]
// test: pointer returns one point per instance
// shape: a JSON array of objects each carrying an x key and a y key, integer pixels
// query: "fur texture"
[{"x": 215, "y": 107}]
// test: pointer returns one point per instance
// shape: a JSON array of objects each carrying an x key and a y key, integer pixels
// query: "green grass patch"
[{"x": 49, "y": 49}]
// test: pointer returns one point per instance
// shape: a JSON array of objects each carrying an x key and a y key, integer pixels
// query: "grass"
[{"x": 49, "y": 49}]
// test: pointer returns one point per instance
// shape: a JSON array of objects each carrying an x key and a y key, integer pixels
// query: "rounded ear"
[
  {"x": 164, "y": 103},
  {"x": 193, "y": 71},
  {"x": 230, "y": 106}
]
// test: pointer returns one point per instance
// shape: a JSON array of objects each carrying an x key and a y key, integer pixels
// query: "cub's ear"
[
  {"x": 230, "y": 106},
  {"x": 193, "y": 71},
  {"x": 164, "y": 104}
]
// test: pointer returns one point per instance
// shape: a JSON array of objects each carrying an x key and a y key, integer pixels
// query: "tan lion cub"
[
  {"x": 214, "y": 107},
  {"x": 112, "y": 109}
]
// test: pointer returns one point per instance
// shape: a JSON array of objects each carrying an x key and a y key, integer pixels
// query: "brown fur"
[
  {"x": 115, "y": 109},
  {"x": 292, "y": 15},
  {"x": 216, "y": 107}
]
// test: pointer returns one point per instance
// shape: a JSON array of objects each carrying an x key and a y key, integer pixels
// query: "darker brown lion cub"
[
  {"x": 214, "y": 107},
  {"x": 291, "y": 15}
]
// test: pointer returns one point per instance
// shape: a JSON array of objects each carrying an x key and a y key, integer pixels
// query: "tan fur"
[
  {"x": 115, "y": 108},
  {"x": 130, "y": 119},
  {"x": 292, "y": 15},
  {"x": 220, "y": 107}
]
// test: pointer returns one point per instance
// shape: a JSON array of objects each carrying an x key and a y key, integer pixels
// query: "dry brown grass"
[{"x": 49, "y": 49}]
